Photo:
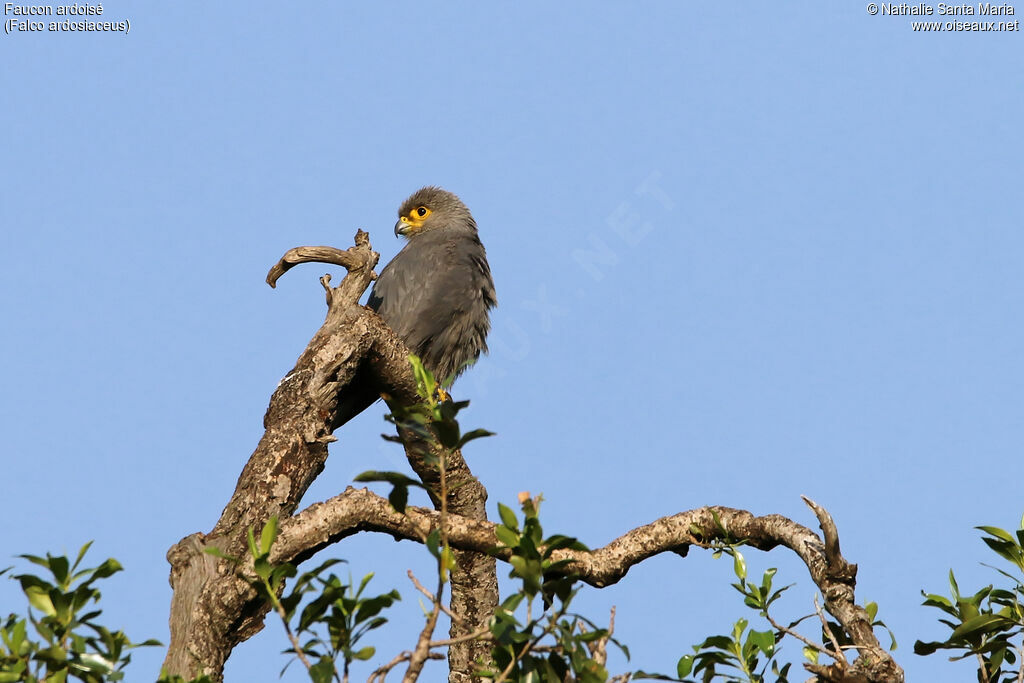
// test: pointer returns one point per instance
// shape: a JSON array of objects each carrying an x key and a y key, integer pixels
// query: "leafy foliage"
[
  {"x": 68, "y": 643},
  {"x": 556, "y": 643},
  {"x": 434, "y": 419},
  {"x": 331, "y": 624},
  {"x": 335, "y": 620},
  {"x": 746, "y": 655},
  {"x": 988, "y": 624}
]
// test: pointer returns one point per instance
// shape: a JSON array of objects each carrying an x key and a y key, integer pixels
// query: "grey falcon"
[{"x": 436, "y": 293}]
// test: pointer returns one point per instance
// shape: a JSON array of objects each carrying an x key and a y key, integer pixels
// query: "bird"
[{"x": 436, "y": 293}]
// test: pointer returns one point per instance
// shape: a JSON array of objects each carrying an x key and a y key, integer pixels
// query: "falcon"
[{"x": 436, "y": 293}]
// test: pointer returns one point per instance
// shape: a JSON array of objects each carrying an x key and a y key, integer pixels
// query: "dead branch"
[
  {"x": 350, "y": 259},
  {"x": 361, "y": 510},
  {"x": 213, "y": 608}
]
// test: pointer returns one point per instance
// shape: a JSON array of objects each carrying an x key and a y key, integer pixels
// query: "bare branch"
[
  {"x": 475, "y": 635},
  {"x": 213, "y": 607},
  {"x": 599, "y": 648},
  {"x": 831, "y": 536},
  {"x": 837, "y": 651},
  {"x": 430, "y": 596},
  {"x": 803, "y": 639},
  {"x": 381, "y": 673},
  {"x": 350, "y": 259},
  {"x": 360, "y": 510}
]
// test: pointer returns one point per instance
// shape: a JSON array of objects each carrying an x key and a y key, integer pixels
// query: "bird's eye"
[{"x": 422, "y": 212}]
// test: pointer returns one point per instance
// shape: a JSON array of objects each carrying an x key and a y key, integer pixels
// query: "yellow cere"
[{"x": 416, "y": 217}]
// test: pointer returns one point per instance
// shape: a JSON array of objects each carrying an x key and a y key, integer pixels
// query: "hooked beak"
[{"x": 404, "y": 227}]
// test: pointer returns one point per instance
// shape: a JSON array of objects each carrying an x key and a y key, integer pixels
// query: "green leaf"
[
  {"x": 393, "y": 478},
  {"x": 923, "y": 648},
  {"x": 739, "y": 565},
  {"x": 268, "y": 535},
  {"x": 651, "y": 675},
  {"x": 434, "y": 542},
  {"x": 447, "y": 559},
  {"x": 35, "y": 559},
  {"x": 399, "y": 498},
  {"x": 40, "y": 599},
  {"x": 364, "y": 654},
  {"x": 447, "y": 433},
  {"x": 81, "y": 554},
  {"x": 558, "y": 541},
  {"x": 506, "y": 537},
  {"x": 997, "y": 532},
  {"x": 109, "y": 567},
  {"x": 59, "y": 567},
  {"x": 508, "y": 517},
  {"x": 684, "y": 666},
  {"x": 512, "y": 602},
  {"x": 322, "y": 671},
  {"x": 94, "y": 662},
  {"x": 978, "y": 625},
  {"x": 473, "y": 434},
  {"x": 217, "y": 552},
  {"x": 262, "y": 568},
  {"x": 253, "y": 550},
  {"x": 763, "y": 640}
]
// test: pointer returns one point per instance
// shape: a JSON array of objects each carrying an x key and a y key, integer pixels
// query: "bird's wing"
[
  {"x": 405, "y": 289},
  {"x": 427, "y": 286}
]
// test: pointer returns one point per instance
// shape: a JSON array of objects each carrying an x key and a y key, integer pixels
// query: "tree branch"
[
  {"x": 213, "y": 607},
  {"x": 361, "y": 510}
]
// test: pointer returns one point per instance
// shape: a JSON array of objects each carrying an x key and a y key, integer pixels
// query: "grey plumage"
[{"x": 436, "y": 292}]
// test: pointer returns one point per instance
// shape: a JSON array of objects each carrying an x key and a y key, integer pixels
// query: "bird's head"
[{"x": 430, "y": 208}]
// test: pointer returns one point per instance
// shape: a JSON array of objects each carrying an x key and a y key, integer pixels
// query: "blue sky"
[{"x": 743, "y": 252}]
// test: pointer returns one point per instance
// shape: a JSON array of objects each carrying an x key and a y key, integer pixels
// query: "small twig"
[
  {"x": 430, "y": 596},
  {"x": 598, "y": 649},
  {"x": 982, "y": 671},
  {"x": 279, "y": 608},
  {"x": 479, "y": 633},
  {"x": 380, "y": 673},
  {"x": 421, "y": 653},
  {"x": 839, "y": 656},
  {"x": 806, "y": 641}
]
